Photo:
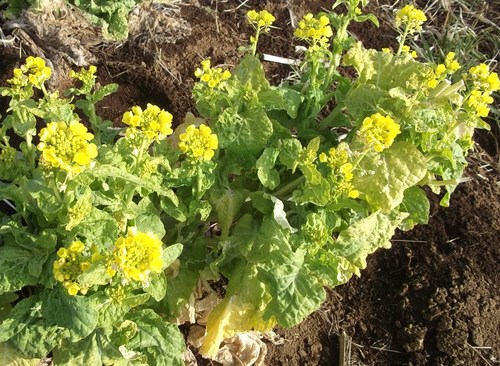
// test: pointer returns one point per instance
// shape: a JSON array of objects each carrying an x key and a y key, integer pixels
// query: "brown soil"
[{"x": 433, "y": 299}]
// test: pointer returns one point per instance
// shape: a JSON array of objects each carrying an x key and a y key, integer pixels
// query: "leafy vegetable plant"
[
  {"x": 107, "y": 233},
  {"x": 110, "y": 15}
]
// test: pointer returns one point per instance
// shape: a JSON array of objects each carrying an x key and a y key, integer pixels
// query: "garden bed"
[{"x": 432, "y": 299}]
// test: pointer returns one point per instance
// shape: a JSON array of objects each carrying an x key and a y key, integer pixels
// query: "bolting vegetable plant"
[{"x": 108, "y": 232}]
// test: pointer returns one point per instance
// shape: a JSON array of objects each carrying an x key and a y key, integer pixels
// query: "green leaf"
[
  {"x": 244, "y": 133},
  {"x": 281, "y": 98},
  {"x": 290, "y": 150},
  {"x": 6, "y": 300},
  {"x": 160, "y": 341},
  {"x": 109, "y": 310},
  {"x": 10, "y": 356},
  {"x": 16, "y": 268},
  {"x": 74, "y": 313},
  {"x": 180, "y": 289},
  {"x": 104, "y": 91},
  {"x": 383, "y": 181},
  {"x": 157, "y": 287},
  {"x": 317, "y": 193},
  {"x": 268, "y": 282},
  {"x": 171, "y": 253},
  {"x": 151, "y": 224},
  {"x": 26, "y": 329},
  {"x": 268, "y": 176},
  {"x": 86, "y": 352},
  {"x": 99, "y": 227},
  {"x": 251, "y": 74},
  {"x": 416, "y": 204},
  {"x": 109, "y": 171},
  {"x": 363, "y": 238},
  {"x": 227, "y": 203}
]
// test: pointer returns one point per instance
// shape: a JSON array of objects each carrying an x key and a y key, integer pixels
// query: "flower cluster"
[
  {"x": 410, "y": 19},
  {"x": 484, "y": 84},
  {"x": 80, "y": 210},
  {"x": 378, "y": 132},
  {"x": 70, "y": 264},
  {"x": 86, "y": 76},
  {"x": 198, "y": 143},
  {"x": 135, "y": 256},
  {"x": 341, "y": 174},
  {"x": 8, "y": 155},
  {"x": 33, "y": 72},
  {"x": 408, "y": 51},
  {"x": 315, "y": 30},
  {"x": 316, "y": 232},
  {"x": 67, "y": 146},
  {"x": 449, "y": 67},
  {"x": 154, "y": 123},
  {"x": 8, "y": 166},
  {"x": 483, "y": 79},
  {"x": 262, "y": 19},
  {"x": 214, "y": 77},
  {"x": 479, "y": 102}
]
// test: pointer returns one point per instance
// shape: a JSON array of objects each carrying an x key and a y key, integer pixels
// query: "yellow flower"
[
  {"x": 153, "y": 122},
  {"x": 86, "y": 76},
  {"x": 136, "y": 255},
  {"x": 407, "y": 50},
  {"x": 67, "y": 146},
  {"x": 198, "y": 143},
  {"x": 214, "y": 77},
  {"x": 33, "y": 72},
  {"x": 336, "y": 156},
  {"x": 341, "y": 174},
  {"x": 483, "y": 79},
  {"x": 70, "y": 264},
  {"x": 378, "y": 131},
  {"x": 479, "y": 102},
  {"x": 262, "y": 19},
  {"x": 314, "y": 30},
  {"x": 451, "y": 64},
  {"x": 410, "y": 18}
]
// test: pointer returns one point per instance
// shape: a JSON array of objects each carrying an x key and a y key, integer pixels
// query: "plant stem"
[
  {"x": 403, "y": 38},
  {"x": 330, "y": 118},
  {"x": 288, "y": 187}
]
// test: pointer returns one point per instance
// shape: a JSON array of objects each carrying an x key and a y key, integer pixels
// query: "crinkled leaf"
[
  {"x": 251, "y": 74},
  {"x": 109, "y": 310},
  {"x": 290, "y": 150},
  {"x": 19, "y": 267},
  {"x": 243, "y": 133},
  {"x": 26, "y": 329},
  {"x": 171, "y": 253},
  {"x": 99, "y": 227},
  {"x": 281, "y": 98},
  {"x": 6, "y": 300},
  {"x": 160, "y": 341},
  {"x": 109, "y": 171},
  {"x": 317, "y": 193},
  {"x": 10, "y": 356},
  {"x": 268, "y": 176},
  {"x": 383, "y": 181},
  {"x": 268, "y": 283},
  {"x": 157, "y": 287},
  {"x": 86, "y": 352},
  {"x": 364, "y": 237},
  {"x": 151, "y": 224},
  {"x": 241, "y": 309},
  {"x": 74, "y": 313},
  {"x": 227, "y": 203},
  {"x": 416, "y": 204}
]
